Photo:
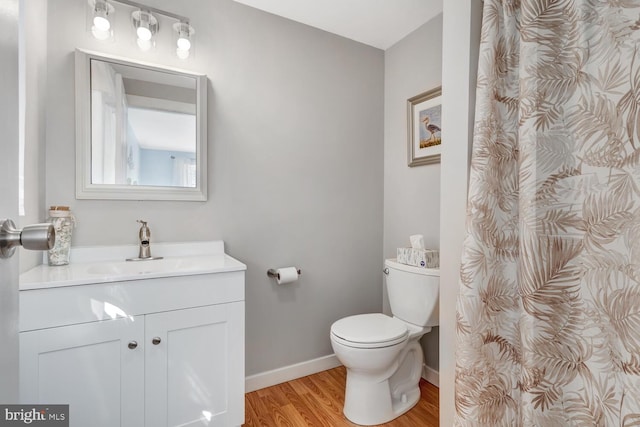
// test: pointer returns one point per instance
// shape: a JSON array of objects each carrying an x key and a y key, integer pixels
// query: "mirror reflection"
[{"x": 143, "y": 126}]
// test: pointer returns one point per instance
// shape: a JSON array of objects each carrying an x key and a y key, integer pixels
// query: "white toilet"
[{"x": 382, "y": 354}]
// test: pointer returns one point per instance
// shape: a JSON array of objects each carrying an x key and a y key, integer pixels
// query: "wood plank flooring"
[{"x": 316, "y": 401}]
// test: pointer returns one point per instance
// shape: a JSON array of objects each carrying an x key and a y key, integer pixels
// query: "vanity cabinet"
[
  {"x": 165, "y": 351},
  {"x": 192, "y": 372},
  {"x": 88, "y": 366}
]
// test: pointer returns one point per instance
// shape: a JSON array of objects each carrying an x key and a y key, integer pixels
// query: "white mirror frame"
[{"x": 84, "y": 188}]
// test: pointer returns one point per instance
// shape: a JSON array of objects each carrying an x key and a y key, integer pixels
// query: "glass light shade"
[
  {"x": 100, "y": 19},
  {"x": 182, "y": 53},
  {"x": 144, "y": 45},
  {"x": 146, "y": 26},
  {"x": 100, "y": 34},
  {"x": 183, "y": 37}
]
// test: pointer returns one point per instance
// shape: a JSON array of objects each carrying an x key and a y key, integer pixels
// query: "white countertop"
[{"x": 102, "y": 264}]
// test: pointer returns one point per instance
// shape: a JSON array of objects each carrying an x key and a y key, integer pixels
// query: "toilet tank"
[{"x": 413, "y": 293}]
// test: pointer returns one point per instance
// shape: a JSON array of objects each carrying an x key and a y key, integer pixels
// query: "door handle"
[{"x": 36, "y": 237}]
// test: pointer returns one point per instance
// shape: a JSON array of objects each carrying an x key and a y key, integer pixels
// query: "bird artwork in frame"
[{"x": 424, "y": 118}]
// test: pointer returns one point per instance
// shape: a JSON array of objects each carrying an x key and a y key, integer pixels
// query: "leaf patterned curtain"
[{"x": 548, "y": 315}]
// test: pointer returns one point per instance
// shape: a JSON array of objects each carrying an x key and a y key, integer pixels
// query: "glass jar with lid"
[{"x": 63, "y": 222}]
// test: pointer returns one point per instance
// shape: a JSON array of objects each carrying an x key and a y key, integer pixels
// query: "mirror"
[{"x": 140, "y": 130}]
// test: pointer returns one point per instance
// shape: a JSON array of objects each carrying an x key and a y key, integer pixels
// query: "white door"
[
  {"x": 9, "y": 197},
  {"x": 96, "y": 368},
  {"x": 195, "y": 367}
]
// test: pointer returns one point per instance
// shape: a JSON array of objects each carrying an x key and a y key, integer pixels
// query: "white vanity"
[{"x": 149, "y": 343}]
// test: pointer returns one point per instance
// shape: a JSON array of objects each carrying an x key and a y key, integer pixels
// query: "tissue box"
[{"x": 425, "y": 258}]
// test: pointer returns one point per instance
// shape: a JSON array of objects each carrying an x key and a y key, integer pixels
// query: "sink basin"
[
  {"x": 165, "y": 267},
  {"x": 157, "y": 266},
  {"x": 107, "y": 264}
]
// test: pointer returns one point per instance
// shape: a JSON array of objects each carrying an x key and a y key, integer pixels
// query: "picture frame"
[{"x": 424, "y": 125}]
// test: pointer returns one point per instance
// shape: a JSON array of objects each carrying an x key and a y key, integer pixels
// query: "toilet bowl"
[{"x": 382, "y": 354}]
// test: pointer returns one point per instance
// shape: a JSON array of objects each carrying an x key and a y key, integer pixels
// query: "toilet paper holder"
[{"x": 272, "y": 272}]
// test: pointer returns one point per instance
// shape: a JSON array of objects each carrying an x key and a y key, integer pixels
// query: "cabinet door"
[
  {"x": 90, "y": 367},
  {"x": 195, "y": 372}
]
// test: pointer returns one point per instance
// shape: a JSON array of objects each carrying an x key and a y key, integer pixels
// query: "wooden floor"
[{"x": 317, "y": 400}]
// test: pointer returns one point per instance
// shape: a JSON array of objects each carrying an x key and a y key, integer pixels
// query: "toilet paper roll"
[
  {"x": 286, "y": 275},
  {"x": 417, "y": 241}
]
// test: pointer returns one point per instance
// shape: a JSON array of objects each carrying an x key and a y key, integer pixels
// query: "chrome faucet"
[{"x": 145, "y": 243}]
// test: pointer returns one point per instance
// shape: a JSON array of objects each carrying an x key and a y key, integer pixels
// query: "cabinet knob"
[
  {"x": 132, "y": 345},
  {"x": 156, "y": 340}
]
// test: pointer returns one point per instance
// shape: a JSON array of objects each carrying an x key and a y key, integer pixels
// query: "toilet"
[{"x": 382, "y": 354}]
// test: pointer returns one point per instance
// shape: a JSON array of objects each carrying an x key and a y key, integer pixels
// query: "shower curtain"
[{"x": 548, "y": 315}]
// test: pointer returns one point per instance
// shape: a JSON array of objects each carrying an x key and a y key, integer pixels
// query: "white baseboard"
[
  {"x": 291, "y": 372},
  {"x": 431, "y": 375},
  {"x": 302, "y": 369}
]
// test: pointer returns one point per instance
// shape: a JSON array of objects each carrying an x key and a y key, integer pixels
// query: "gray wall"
[
  {"x": 411, "y": 195},
  {"x": 295, "y": 164}
]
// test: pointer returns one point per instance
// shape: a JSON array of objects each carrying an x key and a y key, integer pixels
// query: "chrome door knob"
[
  {"x": 36, "y": 237},
  {"x": 132, "y": 345},
  {"x": 156, "y": 340}
]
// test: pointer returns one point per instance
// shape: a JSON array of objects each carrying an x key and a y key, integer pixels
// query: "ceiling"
[
  {"x": 378, "y": 23},
  {"x": 163, "y": 130}
]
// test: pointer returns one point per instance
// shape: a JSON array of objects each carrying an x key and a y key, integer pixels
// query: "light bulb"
[
  {"x": 184, "y": 43},
  {"x": 144, "y": 33},
  {"x": 101, "y": 23}
]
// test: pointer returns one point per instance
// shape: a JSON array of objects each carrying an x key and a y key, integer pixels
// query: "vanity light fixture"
[
  {"x": 183, "y": 32},
  {"x": 145, "y": 23},
  {"x": 101, "y": 23},
  {"x": 146, "y": 26}
]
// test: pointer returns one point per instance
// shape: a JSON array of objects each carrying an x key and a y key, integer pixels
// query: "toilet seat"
[{"x": 372, "y": 330}]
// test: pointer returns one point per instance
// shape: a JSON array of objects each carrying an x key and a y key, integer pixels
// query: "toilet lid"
[{"x": 374, "y": 328}]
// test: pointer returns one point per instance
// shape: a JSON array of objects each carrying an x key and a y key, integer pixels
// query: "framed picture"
[{"x": 424, "y": 117}]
